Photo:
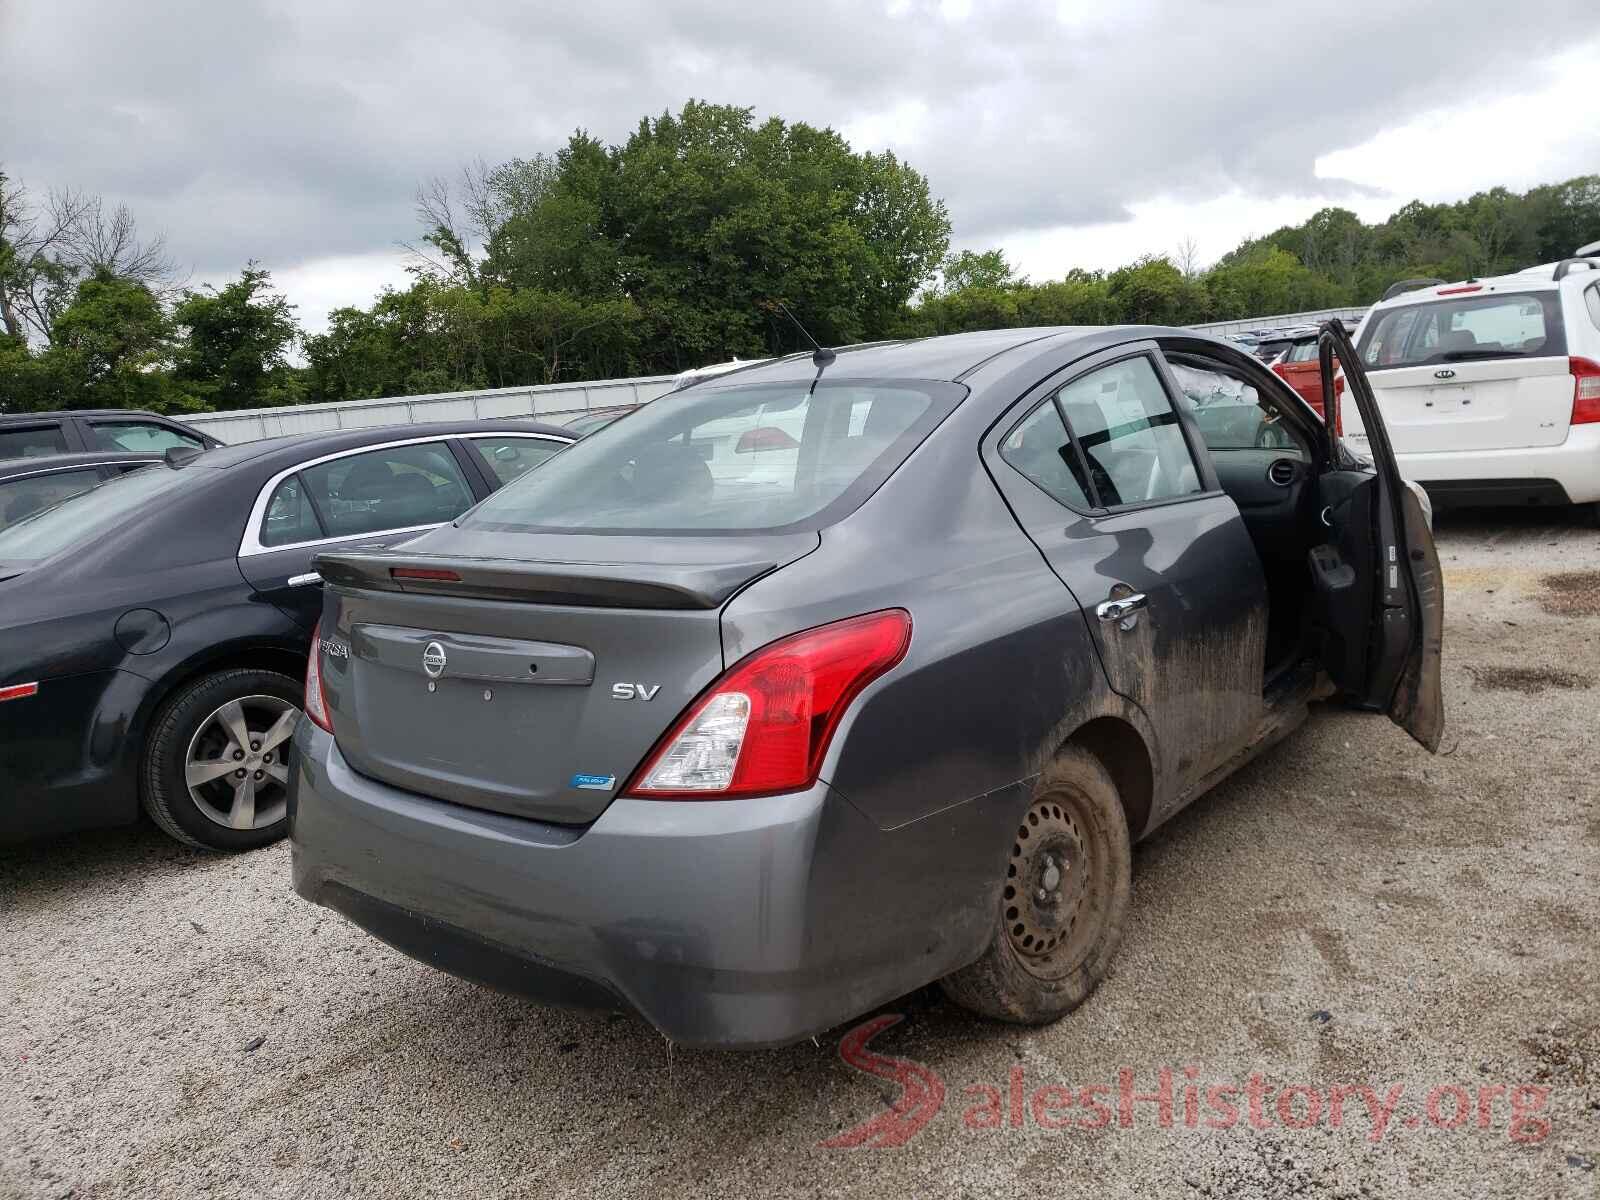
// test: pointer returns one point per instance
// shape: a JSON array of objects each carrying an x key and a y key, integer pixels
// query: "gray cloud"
[{"x": 293, "y": 131}]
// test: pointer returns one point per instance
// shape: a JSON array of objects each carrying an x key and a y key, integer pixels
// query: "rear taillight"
[
  {"x": 316, "y": 705},
  {"x": 1338, "y": 416},
  {"x": 764, "y": 726},
  {"x": 19, "y": 691},
  {"x": 1585, "y": 390}
]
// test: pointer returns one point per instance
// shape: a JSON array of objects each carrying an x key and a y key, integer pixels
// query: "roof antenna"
[{"x": 821, "y": 356}]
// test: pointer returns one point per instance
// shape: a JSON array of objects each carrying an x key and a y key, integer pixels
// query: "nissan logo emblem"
[
  {"x": 1447, "y": 373},
  {"x": 433, "y": 660}
]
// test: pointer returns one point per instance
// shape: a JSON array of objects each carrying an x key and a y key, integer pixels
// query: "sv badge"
[{"x": 634, "y": 691}]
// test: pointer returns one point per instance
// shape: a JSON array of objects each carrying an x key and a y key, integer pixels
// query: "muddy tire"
[
  {"x": 216, "y": 765},
  {"x": 1061, "y": 909}
]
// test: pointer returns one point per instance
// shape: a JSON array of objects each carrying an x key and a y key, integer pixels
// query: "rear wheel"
[
  {"x": 216, "y": 771},
  {"x": 1062, "y": 904}
]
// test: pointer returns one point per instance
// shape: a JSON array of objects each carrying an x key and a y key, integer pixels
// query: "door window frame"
[
  {"x": 250, "y": 545},
  {"x": 1047, "y": 391}
]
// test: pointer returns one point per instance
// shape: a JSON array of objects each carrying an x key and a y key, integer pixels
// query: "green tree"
[
  {"x": 973, "y": 268},
  {"x": 236, "y": 342},
  {"x": 111, "y": 347}
]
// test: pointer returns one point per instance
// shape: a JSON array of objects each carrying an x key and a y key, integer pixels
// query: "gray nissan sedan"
[{"x": 823, "y": 679}]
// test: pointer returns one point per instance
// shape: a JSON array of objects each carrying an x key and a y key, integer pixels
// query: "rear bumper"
[
  {"x": 1568, "y": 473},
  {"x": 727, "y": 923}
]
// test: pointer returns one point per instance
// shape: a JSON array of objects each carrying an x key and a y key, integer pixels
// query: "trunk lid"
[
  {"x": 1490, "y": 404},
  {"x": 536, "y": 680}
]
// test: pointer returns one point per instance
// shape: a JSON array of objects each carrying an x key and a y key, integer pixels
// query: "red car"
[{"x": 1298, "y": 367}]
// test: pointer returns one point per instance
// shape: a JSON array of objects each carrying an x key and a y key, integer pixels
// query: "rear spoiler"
[
  {"x": 1407, "y": 285},
  {"x": 598, "y": 584}
]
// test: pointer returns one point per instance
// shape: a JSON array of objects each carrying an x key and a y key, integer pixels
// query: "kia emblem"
[{"x": 1447, "y": 373}]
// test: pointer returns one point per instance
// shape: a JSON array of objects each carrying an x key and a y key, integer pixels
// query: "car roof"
[
  {"x": 29, "y": 464},
  {"x": 1533, "y": 279},
  {"x": 947, "y": 357},
  {"x": 293, "y": 447}
]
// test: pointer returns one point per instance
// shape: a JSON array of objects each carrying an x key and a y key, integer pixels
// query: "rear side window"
[
  {"x": 23, "y": 497},
  {"x": 510, "y": 457},
  {"x": 394, "y": 488},
  {"x": 1129, "y": 434},
  {"x": 290, "y": 517},
  {"x": 1465, "y": 328},
  {"x": 1591, "y": 300},
  {"x": 140, "y": 435},
  {"x": 79, "y": 519},
  {"x": 763, "y": 457},
  {"x": 1041, "y": 449},
  {"x": 31, "y": 441}
]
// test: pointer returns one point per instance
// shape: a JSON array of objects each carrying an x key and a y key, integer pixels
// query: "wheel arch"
[
  {"x": 1121, "y": 749},
  {"x": 249, "y": 654}
]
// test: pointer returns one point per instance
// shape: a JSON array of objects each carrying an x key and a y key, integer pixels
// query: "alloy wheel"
[{"x": 237, "y": 765}]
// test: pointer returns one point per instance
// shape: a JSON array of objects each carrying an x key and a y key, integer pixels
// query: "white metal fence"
[
  {"x": 556, "y": 402},
  {"x": 1348, "y": 315}
]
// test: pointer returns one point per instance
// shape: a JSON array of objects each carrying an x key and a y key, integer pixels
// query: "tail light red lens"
[
  {"x": 434, "y": 574},
  {"x": 19, "y": 691},
  {"x": 764, "y": 726},
  {"x": 316, "y": 705},
  {"x": 1585, "y": 390}
]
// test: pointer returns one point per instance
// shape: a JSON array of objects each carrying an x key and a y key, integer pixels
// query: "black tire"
[
  {"x": 186, "y": 717},
  {"x": 1049, "y": 954}
]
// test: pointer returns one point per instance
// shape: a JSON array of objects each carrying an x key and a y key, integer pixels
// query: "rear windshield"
[
  {"x": 81, "y": 518},
  {"x": 767, "y": 457},
  {"x": 1464, "y": 328}
]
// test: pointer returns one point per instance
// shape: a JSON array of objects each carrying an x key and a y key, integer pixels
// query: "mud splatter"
[
  {"x": 1572, "y": 594},
  {"x": 1528, "y": 679}
]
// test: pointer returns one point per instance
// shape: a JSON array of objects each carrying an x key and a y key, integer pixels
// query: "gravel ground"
[{"x": 1346, "y": 911}]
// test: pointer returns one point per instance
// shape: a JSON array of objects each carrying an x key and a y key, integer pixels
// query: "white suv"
[{"x": 1491, "y": 388}]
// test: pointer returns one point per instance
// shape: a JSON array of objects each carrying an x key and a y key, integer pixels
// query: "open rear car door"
[{"x": 1378, "y": 587}]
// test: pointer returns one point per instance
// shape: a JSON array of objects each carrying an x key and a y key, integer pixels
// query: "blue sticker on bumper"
[{"x": 594, "y": 783}]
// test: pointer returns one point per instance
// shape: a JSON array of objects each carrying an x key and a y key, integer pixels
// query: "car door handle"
[
  {"x": 1119, "y": 609},
  {"x": 303, "y": 580}
]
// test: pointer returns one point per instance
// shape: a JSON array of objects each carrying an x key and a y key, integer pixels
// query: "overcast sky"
[{"x": 1071, "y": 133}]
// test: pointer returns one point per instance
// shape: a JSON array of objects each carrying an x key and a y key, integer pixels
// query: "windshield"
[
  {"x": 765, "y": 457},
  {"x": 1463, "y": 328},
  {"x": 79, "y": 519}
]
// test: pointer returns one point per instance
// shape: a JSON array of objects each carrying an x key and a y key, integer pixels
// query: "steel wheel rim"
[
  {"x": 237, "y": 764},
  {"x": 1048, "y": 900}
]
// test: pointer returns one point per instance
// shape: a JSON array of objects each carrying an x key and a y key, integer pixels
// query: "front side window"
[
  {"x": 394, "y": 488},
  {"x": 510, "y": 457},
  {"x": 141, "y": 435},
  {"x": 23, "y": 497},
  {"x": 32, "y": 441},
  {"x": 1230, "y": 412},
  {"x": 722, "y": 460},
  {"x": 1129, "y": 434},
  {"x": 1465, "y": 328}
]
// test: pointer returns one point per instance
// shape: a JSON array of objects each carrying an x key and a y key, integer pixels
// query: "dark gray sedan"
[{"x": 821, "y": 680}]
